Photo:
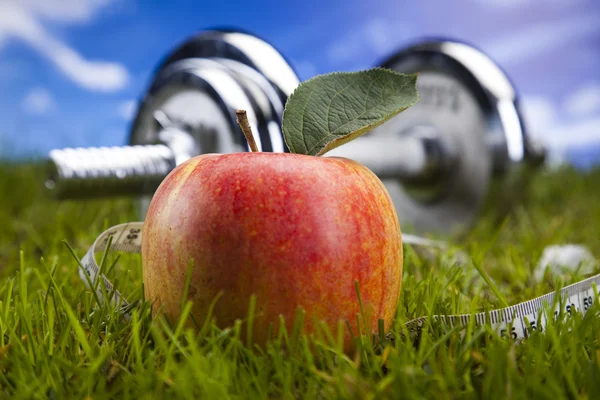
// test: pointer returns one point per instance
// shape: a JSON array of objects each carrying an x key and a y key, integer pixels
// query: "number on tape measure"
[
  {"x": 517, "y": 321},
  {"x": 126, "y": 238}
]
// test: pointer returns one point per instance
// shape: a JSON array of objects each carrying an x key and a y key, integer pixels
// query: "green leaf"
[{"x": 329, "y": 110}]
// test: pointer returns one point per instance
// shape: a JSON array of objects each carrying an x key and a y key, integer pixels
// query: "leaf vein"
[
  {"x": 303, "y": 119},
  {"x": 331, "y": 102}
]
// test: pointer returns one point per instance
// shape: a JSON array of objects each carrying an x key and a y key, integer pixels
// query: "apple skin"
[{"x": 294, "y": 230}]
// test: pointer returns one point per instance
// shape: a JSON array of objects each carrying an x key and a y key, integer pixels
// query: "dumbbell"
[
  {"x": 461, "y": 150},
  {"x": 442, "y": 160},
  {"x": 188, "y": 109}
]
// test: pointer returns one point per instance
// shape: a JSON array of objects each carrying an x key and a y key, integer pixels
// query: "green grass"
[{"x": 57, "y": 342}]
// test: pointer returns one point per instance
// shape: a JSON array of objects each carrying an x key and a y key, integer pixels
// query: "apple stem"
[{"x": 242, "y": 120}]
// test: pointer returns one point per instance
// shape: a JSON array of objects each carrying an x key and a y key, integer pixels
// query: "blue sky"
[{"x": 71, "y": 70}]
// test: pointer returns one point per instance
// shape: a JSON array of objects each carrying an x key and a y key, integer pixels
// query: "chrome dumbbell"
[
  {"x": 188, "y": 109},
  {"x": 440, "y": 160},
  {"x": 473, "y": 152}
]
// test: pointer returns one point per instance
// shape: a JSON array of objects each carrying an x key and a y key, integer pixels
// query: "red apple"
[{"x": 294, "y": 230}]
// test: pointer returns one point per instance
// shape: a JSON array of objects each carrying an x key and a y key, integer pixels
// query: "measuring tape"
[
  {"x": 126, "y": 238},
  {"x": 516, "y": 321}
]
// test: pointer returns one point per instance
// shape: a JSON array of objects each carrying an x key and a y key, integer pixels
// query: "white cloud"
[
  {"x": 565, "y": 136},
  {"x": 511, "y": 4},
  {"x": 127, "y": 109},
  {"x": 98, "y": 76},
  {"x": 377, "y": 35},
  {"x": 584, "y": 101},
  {"x": 575, "y": 134},
  {"x": 345, "y": 50},
  {"x": 22, "y": 20},
  {"x": 38, "y": 101},
  {"x": 538, "y": 39},
  {"x": 542, "y": 120},
  {"x": 65, "y": 10},
  {"x": 539, "y": 115}
]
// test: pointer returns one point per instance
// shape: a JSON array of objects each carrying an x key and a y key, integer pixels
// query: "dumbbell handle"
[
  {"x": 409, "y": 158},
  {"x": 108, "y": 171},
  {"x": 139, "y": 170}
]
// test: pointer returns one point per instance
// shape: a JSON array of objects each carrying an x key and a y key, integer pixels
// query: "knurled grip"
[{"x": 75, "y": 173}]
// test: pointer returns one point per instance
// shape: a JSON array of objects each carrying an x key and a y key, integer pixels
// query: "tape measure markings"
[
  {"x": 127, "y": 238},
  {"x": 579, "y": 296}
]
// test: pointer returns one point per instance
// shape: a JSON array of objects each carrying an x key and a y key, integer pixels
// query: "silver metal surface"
[
  {"x": 467, "y": 99},
  {"x": 441, "y": 160},
  {"x": 203, "y": 97},
  {"x": 205, "y": 80},
  {"x": 243, "y": 48},
  {"x": 188, "y": 109},
  {"x": 108, "y": 171},
  {"x": 410, "y": 157}
]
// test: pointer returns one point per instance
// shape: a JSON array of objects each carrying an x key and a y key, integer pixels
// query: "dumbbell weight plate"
[
  {"x": 229, "y": 79},
  {"x": 204, "y": 81},
  {"x": 244, "y": 48},
  {"x": 472, "y": 106},
  {"x": 235, "y": 50},
  {"x": 266, "y": 101}
]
